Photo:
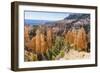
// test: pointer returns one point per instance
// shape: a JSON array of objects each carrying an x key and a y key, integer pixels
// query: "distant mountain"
[
  {"x": 59, "y": 27},
  {"x": 73, "y": 20},
  {"x": 78, "y": 16},
  {"x": 36, "y": 22}
]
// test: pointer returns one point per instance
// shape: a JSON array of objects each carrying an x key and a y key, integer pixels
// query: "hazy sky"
[{"x": 45, "y": 15}]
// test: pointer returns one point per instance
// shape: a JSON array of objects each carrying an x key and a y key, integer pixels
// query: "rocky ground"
[{"x": 74, "y": 54}]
